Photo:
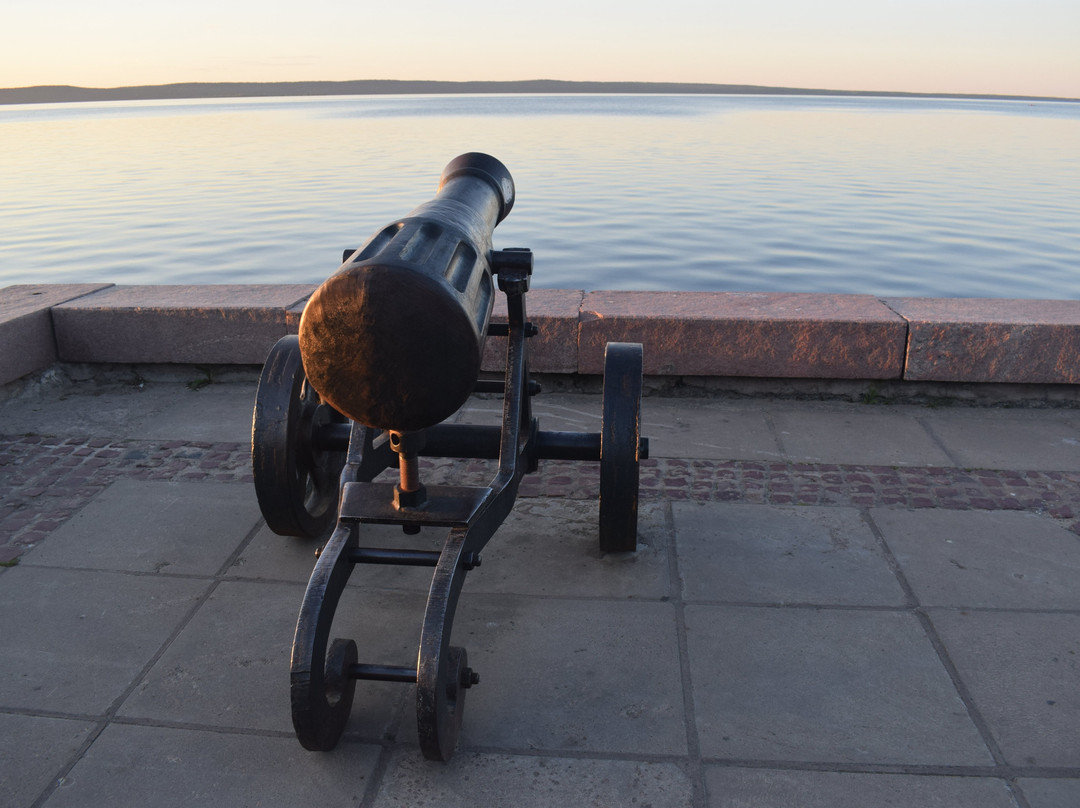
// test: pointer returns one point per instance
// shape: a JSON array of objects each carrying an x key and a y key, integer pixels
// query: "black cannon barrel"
[{"x": 394, "y": 338}]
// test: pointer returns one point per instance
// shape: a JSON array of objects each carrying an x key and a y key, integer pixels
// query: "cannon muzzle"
[{"x": 394, "y": 338}]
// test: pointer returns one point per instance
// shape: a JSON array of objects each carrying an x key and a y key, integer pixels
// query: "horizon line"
[{"x": 67, "y": 93}]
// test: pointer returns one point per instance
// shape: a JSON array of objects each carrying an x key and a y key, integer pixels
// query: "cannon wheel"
[
  {"x": 296, "y": 481},
  {"x": 620, "y": 438}
]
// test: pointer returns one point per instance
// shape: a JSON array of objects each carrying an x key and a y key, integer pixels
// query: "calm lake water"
[{"x": 745, "y": 193}]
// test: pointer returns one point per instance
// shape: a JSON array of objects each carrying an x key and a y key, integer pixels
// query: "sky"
[{"x": 1012, "y": 47}]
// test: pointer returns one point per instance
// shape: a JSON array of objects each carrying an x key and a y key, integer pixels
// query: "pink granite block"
[
  {"x": 554, "y": 349},
  {"x": 746, "y": 334},
  {"x": 216, "y": 324},
  {"x": 26, "y": 327},
  {"x": 990, "y": 340}
]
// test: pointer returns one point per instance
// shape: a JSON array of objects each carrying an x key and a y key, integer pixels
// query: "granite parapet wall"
[{"x": 701, "y": 334}]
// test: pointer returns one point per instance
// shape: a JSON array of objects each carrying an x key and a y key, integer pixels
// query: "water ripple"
[{"x": 879, "y": 196}]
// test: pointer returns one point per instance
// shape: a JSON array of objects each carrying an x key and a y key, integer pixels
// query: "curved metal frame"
[
  {"x": 321, "y": 689},
  {"x": 323, "y": 672}
]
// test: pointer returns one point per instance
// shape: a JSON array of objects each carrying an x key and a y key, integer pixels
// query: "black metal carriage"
[{"x": 390, "y": 347}]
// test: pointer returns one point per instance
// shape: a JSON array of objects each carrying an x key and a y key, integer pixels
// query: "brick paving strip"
[{"x": 46, "y": 480}]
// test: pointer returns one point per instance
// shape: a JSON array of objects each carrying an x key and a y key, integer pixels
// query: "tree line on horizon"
[{"x": 45, "y": 94}]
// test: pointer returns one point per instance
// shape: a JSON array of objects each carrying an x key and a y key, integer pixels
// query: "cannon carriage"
[{"x": 388, "y": 349}]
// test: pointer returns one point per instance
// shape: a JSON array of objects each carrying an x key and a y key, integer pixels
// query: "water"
[{"x": 744, "y": 193}]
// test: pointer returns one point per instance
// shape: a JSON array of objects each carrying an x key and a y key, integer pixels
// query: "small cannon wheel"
[
  {"x": 442, "y": 704},
  {"x": 442, "y": 673},
  {"x": 296, "y": 480},
  {"x": 620, "y": 439}
]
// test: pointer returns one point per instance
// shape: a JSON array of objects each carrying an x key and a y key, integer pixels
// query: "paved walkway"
[{"x": 832, "y": 605}]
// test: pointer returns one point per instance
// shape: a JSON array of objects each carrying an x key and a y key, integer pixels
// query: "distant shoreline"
[{"x": 53, "y": 94}]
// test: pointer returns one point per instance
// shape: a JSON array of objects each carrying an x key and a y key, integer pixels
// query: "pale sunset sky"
[{"x": 1022, "y": 47}]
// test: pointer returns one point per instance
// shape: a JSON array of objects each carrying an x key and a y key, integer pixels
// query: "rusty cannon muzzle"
[{"x": 395, "y": 337}]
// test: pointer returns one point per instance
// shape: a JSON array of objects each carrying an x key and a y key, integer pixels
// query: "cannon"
[{"x": 389, "y": 347}]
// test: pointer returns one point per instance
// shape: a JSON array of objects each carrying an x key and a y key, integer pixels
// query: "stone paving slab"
[
  {"x": 140, "y": 766},
  {"x": 836, "y": 434},
  {"x": 43, "y": 747},
  {"x": 548, "y": 547},
  {"x": 749, "y": 554},
  {"x": 1016, "y": 439},
  {"x": 193, "y": 409},
  {"x": 1051, "y": 793},
  {"x": 770, "y": 788},
  {"x": 702, "y": 428},
  {"x": 510, "y": 781},
  {"x": 1013, "y": 560},
  {"x": 270, "y": 557},
  {"x": 74, "y": 641},
  {"x": 571, "y": 676},
  {"x": 216, "y": 413},
  {"x": 142, "y": 526},
  {"x": 1023, "y": 672},
  {"x": 825, "y": 685}
]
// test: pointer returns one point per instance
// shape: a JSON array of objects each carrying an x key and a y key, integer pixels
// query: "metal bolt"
[{"x": 469, "y": 677}]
